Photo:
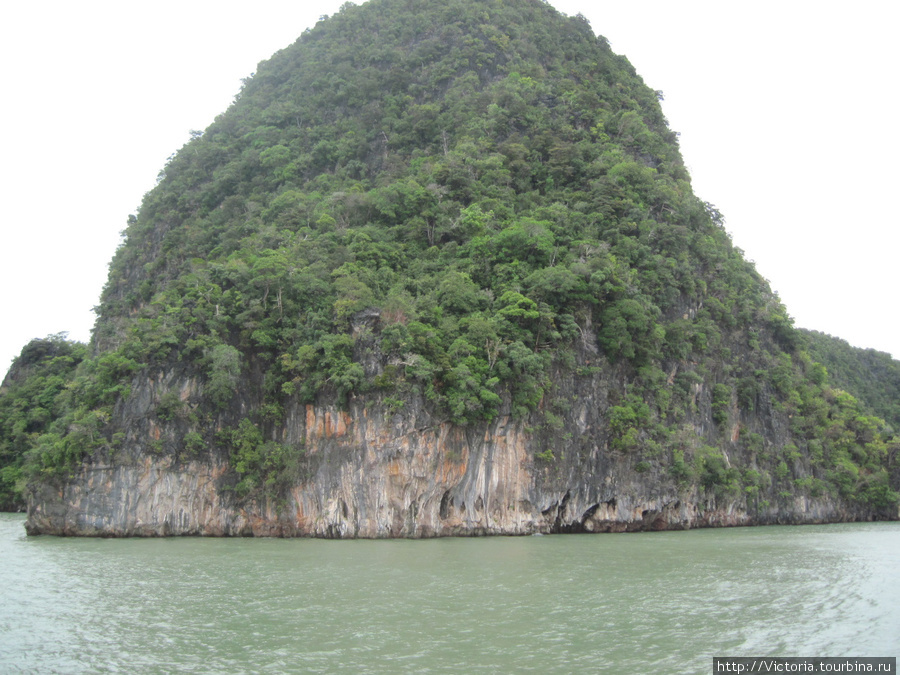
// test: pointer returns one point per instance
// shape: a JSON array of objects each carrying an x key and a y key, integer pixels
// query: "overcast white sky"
[{"x": 786, "y": 112}]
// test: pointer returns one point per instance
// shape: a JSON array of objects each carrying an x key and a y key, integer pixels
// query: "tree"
[{"x": 224, "y": 371}]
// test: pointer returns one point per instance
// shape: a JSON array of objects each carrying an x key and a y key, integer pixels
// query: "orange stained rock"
[
  {"x": 342, "y": 421},
  {"x": 326, "y": 424},
  {"x": 452, "y": 470},
  {"x": 311, "y": 423}
]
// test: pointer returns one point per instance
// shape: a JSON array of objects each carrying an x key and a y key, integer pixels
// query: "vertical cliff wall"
[{"x": 367, "y": 472}]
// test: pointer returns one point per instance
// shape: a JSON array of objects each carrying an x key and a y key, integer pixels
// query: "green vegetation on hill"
[
  {"x": 33, "y": 401},
  {"x": 458, "y": 203},
  {"x": 871, "y": 376},
  {"x": 483, "y": 188}
]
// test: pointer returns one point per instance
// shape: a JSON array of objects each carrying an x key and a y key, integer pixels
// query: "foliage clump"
[
  {"x": 33, "y": 400},
  {"x": 872, "y": 376}
]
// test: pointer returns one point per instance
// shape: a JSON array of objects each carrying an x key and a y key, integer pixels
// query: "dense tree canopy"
[
  {"x": 34, "y": 395},
  {"x": 872, "y": 376}
]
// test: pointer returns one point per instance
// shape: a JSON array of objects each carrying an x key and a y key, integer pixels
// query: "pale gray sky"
[{"x": 785, "y": 111}]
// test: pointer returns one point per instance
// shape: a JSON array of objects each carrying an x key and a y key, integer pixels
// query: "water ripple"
[{"x": 605, "y": 603}]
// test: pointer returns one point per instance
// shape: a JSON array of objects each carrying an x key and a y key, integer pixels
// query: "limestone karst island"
[{"x": 440, "y": 271}]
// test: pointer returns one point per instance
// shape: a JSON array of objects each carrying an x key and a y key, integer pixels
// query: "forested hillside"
[
  {"x": 871, "y": 376},
  {"x": 456, "y": 214},
  {"x": 33, "y": 398}
]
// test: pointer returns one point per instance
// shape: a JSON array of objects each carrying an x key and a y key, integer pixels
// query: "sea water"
[{"x": 662, "y": 602}]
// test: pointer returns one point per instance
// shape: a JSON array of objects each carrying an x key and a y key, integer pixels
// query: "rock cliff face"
[
  {"x": 380, "y": 478},
  {"x": 368, "y": 473}
]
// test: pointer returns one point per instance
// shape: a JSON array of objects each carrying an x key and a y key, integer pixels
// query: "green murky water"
[{"x": 618, "y": 603}]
